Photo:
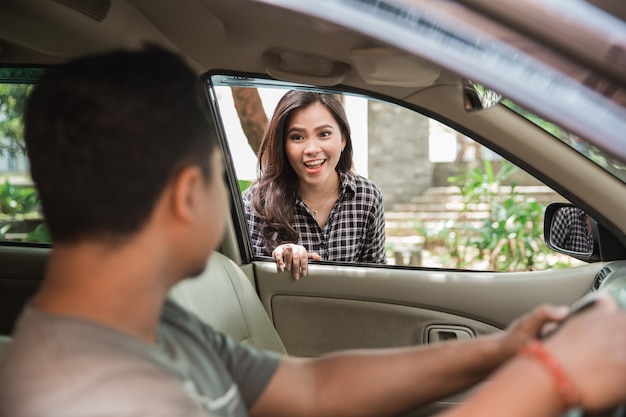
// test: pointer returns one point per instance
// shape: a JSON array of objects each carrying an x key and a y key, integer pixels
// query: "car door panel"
[
  {"x": 312, "y": 326},
  {"x": 20, "y": 276},
  {"x": 345, "y": 307}
]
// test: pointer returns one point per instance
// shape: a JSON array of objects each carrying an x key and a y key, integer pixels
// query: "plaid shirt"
[
  {"x": 569, "y": 230},
  {"x": 354, "y": 232}
]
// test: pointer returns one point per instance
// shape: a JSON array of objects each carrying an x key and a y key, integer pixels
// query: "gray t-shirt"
[{"x": 60, "y": 366}]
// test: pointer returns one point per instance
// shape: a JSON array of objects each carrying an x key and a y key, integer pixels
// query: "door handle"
[{"x": 441, "y": 333}]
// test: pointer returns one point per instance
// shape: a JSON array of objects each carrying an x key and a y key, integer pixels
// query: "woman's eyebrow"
[
  {"x": 302, "y": 129},
  {"x": 295, "y": 129}
]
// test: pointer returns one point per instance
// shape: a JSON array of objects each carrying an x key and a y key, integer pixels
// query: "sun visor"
[{"x": 394, "y": 69}]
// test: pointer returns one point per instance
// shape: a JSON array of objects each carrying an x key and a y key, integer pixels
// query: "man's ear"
[{"x": 185, "y": 188}]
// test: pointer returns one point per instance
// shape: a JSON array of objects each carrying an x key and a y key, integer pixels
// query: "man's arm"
[
  {"x": 387, "y": 382},
  {"x": 589, "y": 351}
]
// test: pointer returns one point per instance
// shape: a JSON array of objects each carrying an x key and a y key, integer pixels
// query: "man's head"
[{"x": 106, "y": 134}]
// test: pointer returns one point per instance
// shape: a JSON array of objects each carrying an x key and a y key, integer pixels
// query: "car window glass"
[
  {"x": 20, "y": 215},
  {"x": 449, "y": 202}
]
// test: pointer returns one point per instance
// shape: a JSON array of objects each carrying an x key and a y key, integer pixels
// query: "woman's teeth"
[{"x": 314, "y": 164}]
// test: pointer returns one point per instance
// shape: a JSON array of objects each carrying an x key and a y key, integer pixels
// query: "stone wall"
[{"x": 390, "y": 162}]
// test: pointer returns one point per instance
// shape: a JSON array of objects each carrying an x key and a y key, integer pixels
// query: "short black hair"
[{"x": 106, "y": 133}]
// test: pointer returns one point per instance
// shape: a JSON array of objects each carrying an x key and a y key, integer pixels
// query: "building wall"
[
  {"x": 390, "y": 163},
  {"x": 13, "y": 162}
]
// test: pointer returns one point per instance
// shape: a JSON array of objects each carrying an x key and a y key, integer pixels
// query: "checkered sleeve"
[
  {"x": 254, "y": 224},
  {"x": 569, "y": 230},
  {"x": 374, "y": 248},
  {"x": 559, "y": 229}
]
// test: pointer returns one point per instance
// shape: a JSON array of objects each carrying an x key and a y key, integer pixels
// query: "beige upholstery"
[{"x": 223, "y": 297}]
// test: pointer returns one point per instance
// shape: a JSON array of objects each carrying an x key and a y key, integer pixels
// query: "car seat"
[{"x": 223, "y": 297}]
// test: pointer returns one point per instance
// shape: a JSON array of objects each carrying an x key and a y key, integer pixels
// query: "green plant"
[
  {"x": 20, "y": 219},
  {"x": 510, "y": 237},
  {"x": 40, "y": 234},
  {"x": 12, "y": 102},
  {"x": 244, "y": 184},
  {"x": 434, "y": 234},
  {"x": 16, "y": 200}
]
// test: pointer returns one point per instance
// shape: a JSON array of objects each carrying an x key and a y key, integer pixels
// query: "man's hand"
[
  {"x": 591, "y": 347},
  {"x": 294, "y": 258},
  {"x": 531, "y": 326}
]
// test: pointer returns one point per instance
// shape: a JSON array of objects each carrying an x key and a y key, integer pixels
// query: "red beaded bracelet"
[{"x": 565, "y": 387}]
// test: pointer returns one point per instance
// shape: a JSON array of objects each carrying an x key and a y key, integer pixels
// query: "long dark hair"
[{"x": 277, "y": 186}]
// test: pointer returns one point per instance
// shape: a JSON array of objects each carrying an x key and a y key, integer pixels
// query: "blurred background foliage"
[
  {"x": 510, "y": 238},
  {"x": 20, "y": 217}
]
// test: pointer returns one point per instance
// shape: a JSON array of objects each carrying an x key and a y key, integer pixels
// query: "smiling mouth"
[{"x": 315, "y": 164}]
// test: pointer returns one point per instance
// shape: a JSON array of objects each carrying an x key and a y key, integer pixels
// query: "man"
[{"x": 130, "y": 178}]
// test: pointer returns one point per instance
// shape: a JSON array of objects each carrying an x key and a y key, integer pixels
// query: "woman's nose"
[{"x": 312, "y": 145}]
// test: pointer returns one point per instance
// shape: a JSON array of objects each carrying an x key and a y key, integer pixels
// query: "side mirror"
[
  {"x": 570, "y": 231},
  {"x": 476, "y": 97}
]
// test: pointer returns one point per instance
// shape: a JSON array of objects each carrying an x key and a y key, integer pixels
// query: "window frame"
[
  {"x": 244, "y": 79},
  {"x": 32, "y": 78}
]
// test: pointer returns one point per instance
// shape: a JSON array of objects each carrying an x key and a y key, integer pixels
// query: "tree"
[
  {"x": 15, "y": 85},
  {"x": 251, "y": 114},
  {"x": 12, "y": 98}
]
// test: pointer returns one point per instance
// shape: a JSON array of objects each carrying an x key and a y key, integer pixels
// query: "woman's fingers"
[
  {"x": 293, "y": 258},
  {"x": 297, "y": 260},
  {"x": 314, "y": 256},
  {"x": 277, "y": 254}
]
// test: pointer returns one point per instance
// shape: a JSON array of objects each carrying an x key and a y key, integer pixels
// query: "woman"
[{"x": 308, "y": 203}]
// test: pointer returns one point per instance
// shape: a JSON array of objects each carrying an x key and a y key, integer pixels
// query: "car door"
[{"x": 418, "y": 297}]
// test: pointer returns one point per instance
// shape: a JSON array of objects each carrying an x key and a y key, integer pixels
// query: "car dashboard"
[{"x": 611, "y": 279}]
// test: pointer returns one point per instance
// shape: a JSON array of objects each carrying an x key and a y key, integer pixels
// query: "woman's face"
[{"x": 313, "y": 145}]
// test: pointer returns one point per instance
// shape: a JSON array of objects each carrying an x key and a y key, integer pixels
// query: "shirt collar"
[{"x": 348, "y": 184}]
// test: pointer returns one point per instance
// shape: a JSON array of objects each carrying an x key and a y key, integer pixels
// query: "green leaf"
[{"x": 244, "y": 185}]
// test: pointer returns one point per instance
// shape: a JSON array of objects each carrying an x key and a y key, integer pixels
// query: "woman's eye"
[
  {"x": 296, "y": 137},
  {"x": 325, "y": 134}
]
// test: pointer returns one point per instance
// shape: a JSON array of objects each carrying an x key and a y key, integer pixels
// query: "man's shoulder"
[
  {"x": 175, "y": 318},
  {"x": 71, "y": 365},
  {"x": 66, "y": 347},
  {"x": 57, "y": 363}
]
